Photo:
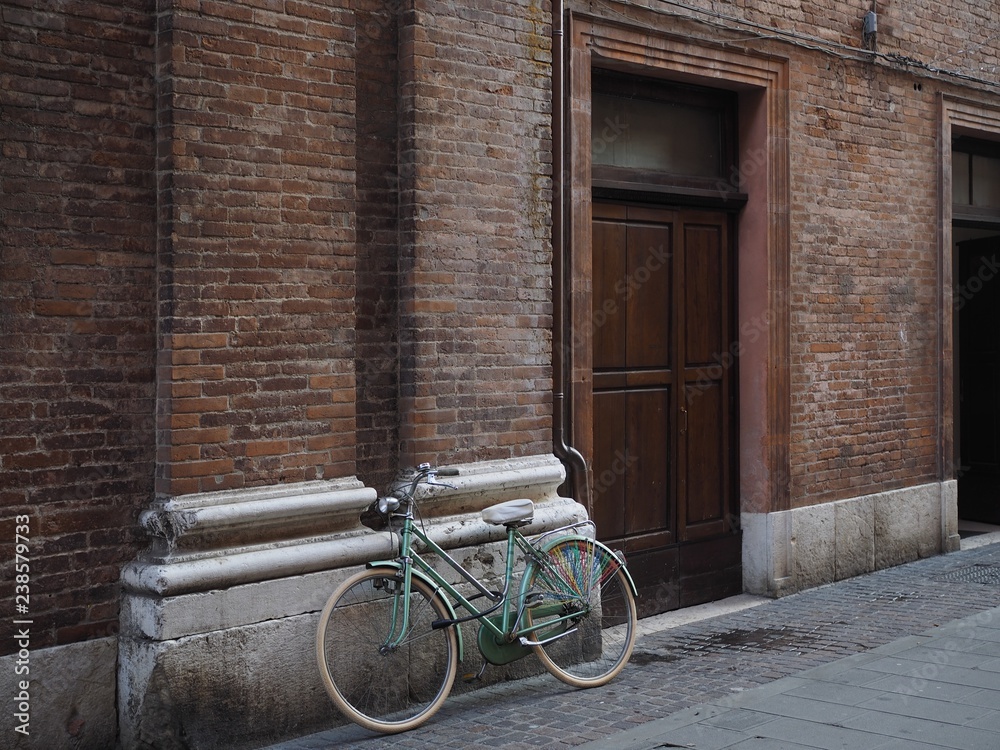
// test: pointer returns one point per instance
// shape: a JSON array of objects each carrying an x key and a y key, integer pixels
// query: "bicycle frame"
[{"x": 508, "y": 631}]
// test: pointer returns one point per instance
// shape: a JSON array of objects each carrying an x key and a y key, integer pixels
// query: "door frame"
[
  {"x": 762, "y": 235},
  {"x": 960, "y": 117}
]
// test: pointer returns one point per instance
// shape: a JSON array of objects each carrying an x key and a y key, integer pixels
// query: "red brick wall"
[
  {"x": 77, "y": 306},
  {"x": 954, "y": 36},
  {"x": 475, "y": 211},
  {"x": 256, "y": 251},
  {"x": 864, "y": 283}
]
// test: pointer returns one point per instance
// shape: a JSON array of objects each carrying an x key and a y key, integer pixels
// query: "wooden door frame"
[
  {"x": 959, "y": 117},
  {"x": 762, "y": 234}
]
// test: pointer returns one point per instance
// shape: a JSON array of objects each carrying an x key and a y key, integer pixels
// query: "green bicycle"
[{"x": 388, "y": 644}]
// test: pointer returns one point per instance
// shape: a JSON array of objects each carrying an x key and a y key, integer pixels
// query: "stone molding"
[{"x": 212, "y": 541}]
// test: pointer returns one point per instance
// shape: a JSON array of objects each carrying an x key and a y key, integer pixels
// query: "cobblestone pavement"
[{"x": 686, "y": 665}]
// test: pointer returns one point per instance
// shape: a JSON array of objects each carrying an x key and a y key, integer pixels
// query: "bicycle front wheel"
[
  {"x": 580, "y": 595},
  {"x": 381, "y": 675}
]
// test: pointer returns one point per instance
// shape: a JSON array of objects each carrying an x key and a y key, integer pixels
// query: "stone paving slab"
[
  {"x": 944, "y": 700},
  {"x": 907, "y": 657}
]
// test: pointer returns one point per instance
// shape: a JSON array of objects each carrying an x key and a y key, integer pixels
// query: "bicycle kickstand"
[{"x": 476, "y": 676}]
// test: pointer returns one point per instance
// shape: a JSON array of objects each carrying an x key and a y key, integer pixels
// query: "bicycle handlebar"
[
  {"x": 427, "y": 469},
  {"x": 424, "y": 473}
]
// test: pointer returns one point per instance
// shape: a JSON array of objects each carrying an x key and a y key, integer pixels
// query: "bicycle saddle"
[{"x": 511, "y": 511}]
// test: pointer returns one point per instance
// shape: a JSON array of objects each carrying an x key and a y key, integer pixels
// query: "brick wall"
[
  {"x": 865, "y": 279},
  {"x": 475, "y": 211},
  {"x": 951, "y": 35},
  {"x": 864, "y": 284},
  {"x": 256, "y": 253},
  {"x": 345, "y": 263},
  {"x": 77, "y": 306}
]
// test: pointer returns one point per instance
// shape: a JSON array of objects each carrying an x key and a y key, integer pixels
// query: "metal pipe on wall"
[{"x": 562, "y": 385}]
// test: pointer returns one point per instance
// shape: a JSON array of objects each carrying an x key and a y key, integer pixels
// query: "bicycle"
[{"x": 388, "y": 642}]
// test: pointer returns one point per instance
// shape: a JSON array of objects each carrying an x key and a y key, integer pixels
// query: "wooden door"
[
  {"x": 978, "y": 308},
  {"x": 663, "y": 405}
]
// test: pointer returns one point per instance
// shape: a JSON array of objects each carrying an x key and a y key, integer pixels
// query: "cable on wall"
[{"x": 761, "y": 32}]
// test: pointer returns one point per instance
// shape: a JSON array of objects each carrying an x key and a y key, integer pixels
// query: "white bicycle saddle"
[{"x": 511, "y": 511}]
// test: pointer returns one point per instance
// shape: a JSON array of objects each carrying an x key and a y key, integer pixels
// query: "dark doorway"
[{"x": 977, "y": 306}]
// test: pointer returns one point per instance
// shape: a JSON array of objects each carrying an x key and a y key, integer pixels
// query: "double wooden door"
[{"x": 664, "y": 364}]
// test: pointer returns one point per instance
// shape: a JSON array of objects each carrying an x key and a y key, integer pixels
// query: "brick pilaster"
[
  {"x": 256, "y": 167},
  {"x": 475, "y": 193}
]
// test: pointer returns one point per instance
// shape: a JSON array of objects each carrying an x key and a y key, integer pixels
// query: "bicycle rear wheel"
[
  {"x": 582, "y": 596},
  {"x": 378, "y": 677}
]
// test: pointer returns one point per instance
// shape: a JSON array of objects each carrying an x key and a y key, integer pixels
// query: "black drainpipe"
[{"x": 576, "y": 464}]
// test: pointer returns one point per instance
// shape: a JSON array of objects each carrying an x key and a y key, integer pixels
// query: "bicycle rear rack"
[{"x": 537, "y": 541}]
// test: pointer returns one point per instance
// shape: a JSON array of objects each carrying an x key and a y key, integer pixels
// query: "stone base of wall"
[
  {"x": 70, "y": 697},
  {"x": 204, "y": 665},
  {"x": 254, "y": 683},
  {"x": 792, "y": 550}
]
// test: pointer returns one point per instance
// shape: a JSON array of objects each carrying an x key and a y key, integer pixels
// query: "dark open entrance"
[
  {"x": 978, "y": 344},
  {"x": 976, "y": 233}
]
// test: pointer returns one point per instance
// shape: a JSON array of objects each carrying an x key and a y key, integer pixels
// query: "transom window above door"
[
  {"x": 663, "y": 136},
  {"x": 975, "y": 181},
  {"x": 654, "y": 135}
]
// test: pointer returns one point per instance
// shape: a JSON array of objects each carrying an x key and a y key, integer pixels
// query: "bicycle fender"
[
  {"x": 578, "y": 537},
  {"x": 396, "y": 565}
]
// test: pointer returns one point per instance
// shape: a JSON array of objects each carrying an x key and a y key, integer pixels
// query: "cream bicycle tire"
[{"x": 385, "y": 690}]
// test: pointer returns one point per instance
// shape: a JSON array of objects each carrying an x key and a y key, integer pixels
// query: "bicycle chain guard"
[{"x": 496, "y": 653}]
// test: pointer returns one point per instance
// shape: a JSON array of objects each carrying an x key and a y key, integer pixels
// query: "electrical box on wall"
[
  {"x": 870, "y": 30},
  {"x": 871, "y": 23}
]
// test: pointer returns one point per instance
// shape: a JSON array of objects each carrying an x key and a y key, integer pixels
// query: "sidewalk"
[
  {"x": 907, "y": 657},
  {"x": 934, "y": 690}
]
